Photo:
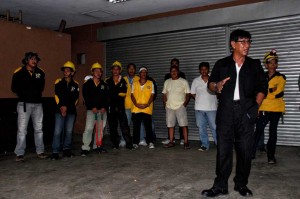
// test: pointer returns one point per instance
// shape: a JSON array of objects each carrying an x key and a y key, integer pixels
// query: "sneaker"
[
  {"x": 68, "y": 153},
  {"x": 122, "y": 143},
  {"x": 181, "y": 142},
  {"x": 54, "y": 156},
  {"x": 186, "y": 146},
  {"x": 20, "y": 158},
  {"x": 135, "y": 146},
  {"x": 151, "y": 145},
  {"x": 271, "y": 161},
  {"x": 143, "y": 143},
  {"x": 42, "y": 156},
  {"x": 84, "y": 153},
  {"x": 202, "y": 148},
  {"x": 169, "y": 145},
  {"x": 166, "y": 141}
]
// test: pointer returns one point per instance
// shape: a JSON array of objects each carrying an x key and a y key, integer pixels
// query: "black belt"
[{"x": 236, "y": 102}]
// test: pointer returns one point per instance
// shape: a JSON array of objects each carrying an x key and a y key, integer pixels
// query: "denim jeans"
[
  {"x": 202, "y": 118},
  {"x": 35, "y": 111},
  {"x": 89, "y": 127},
  {"x": 63, "y": 130}
]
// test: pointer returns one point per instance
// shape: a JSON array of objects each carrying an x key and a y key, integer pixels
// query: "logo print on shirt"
[{"x": 37, "y": 75}]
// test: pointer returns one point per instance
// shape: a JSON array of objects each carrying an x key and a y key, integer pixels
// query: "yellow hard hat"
[
  {"x": 70, "y": 65},
  {"x": 117, "y": 63},
  {"x": 96, "y": 65},
  {"x": 270, "y": 55}
]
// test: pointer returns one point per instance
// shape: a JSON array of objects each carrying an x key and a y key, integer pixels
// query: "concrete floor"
[{"x": 145, "y": 173}]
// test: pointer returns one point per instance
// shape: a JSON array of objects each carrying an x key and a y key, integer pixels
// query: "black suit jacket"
[{"x": 251, "y": 82}]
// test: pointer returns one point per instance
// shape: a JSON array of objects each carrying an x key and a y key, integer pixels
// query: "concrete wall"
[
  {"x": 223, "y": 16},
  {"x": 53, "y": 48}
]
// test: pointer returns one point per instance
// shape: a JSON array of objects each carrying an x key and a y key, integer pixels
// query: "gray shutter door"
[
  {"x": 156, "y": 51},
  {"x": 283, "y": 34},
  {"x": 194, "y": 46}
]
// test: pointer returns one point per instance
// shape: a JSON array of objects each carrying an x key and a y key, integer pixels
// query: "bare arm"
[
  {"x": 259, "y": 98},
  {"x": 165, "y": 99},
  {"x": 187, "y": 99}
]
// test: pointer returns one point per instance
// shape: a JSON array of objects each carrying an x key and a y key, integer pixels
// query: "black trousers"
[
  {"x": 236, "y": 131},
  {"x": 263, "y": 119},
  {"x": 137, "y": 119},
  {"x": 115, "y": 117}
]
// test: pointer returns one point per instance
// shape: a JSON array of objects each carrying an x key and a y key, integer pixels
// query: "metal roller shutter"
[
  {"x": 194, "y": 46},
  {"x": 283, "y": 34},
  {"x": 155, "y": 51}
]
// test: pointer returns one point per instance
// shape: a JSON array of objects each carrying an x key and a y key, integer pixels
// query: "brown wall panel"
[{"x": 53, "y": 48}]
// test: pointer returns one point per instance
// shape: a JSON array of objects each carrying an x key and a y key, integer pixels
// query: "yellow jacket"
[
  {"x": 128, "y": 102},
  {"x": 142, "y": 96},
  {"x": 274, "y": 101}
]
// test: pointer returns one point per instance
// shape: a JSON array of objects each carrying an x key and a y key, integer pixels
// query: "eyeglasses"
[{"x": 243, "y": 42}]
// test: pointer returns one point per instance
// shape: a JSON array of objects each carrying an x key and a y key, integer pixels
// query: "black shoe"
[
  {"x": 132, "y": 146},
  {"x": 20, "y": 158},
  {"x": 244, "y": 191},
  {"x": 84, "y": 153},
  {"x": 54, "y": 156},
  {"x": 272, "y": 161},
  {"x": 68, "y": 153},
  {"x": 101, "y": 150},
  {"x": 186, "y": 146},
  {"x": 213, "y": 192},
  {"x": 262, "y": 150}
]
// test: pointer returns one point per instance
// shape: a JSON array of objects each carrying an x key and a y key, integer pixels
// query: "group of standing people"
[{"x": 237, "y": 97}]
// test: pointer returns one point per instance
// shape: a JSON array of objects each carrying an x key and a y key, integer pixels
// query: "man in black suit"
[{"x": 241, "y": 84}]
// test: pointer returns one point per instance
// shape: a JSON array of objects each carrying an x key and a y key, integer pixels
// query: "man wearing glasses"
[{"x": 241, "y": 84}]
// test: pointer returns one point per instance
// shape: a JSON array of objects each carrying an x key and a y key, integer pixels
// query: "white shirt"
[
  {"x": 204, "y": 100},
  {"x": 176, "y": 91},
  {"x": 237, "y": 88}
]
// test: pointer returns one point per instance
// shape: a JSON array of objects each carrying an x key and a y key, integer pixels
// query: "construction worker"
[
  {"x": 95, "y": 96},
  {"x": 66, "y": 97},
  {"x": 28, "y": 84},
  {"x": 117, "y": 89}
]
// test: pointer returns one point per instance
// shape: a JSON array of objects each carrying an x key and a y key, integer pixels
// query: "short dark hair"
[
  {"x": 28, "y": 56},
  {"x": 174, "y": 59},
  {"x": 204, "y": 64},
  {"x": 239, "y": 33},
  {"x": 131, "y": 64},
  {"x": 174, "y": 67}
]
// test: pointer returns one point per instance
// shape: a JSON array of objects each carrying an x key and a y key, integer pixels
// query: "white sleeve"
[
  {"x": 153, "y": 91},
  {"x": 187, "y": 89},
  {"x": 165, "y": 87},
  {"x": 193, "y": 87}
]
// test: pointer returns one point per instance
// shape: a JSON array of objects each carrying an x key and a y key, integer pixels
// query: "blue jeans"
[
  {"x": 202, "y": 118},
  {"x": 89, "y": 127},
  {"x": 35, "y": 111},
  {"x": 63, "y": 129}
]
